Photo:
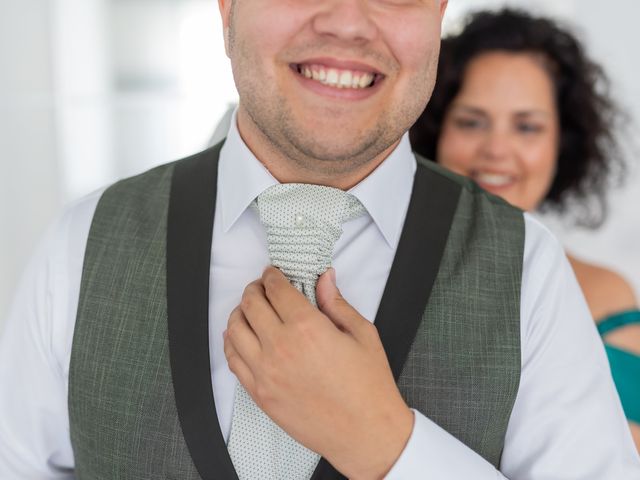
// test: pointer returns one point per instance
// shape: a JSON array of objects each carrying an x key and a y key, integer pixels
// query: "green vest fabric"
[{"x": 461, "y": 360}]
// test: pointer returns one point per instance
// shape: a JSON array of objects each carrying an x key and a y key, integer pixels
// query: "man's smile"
[
  {"x": 337, "y": 77},
  {"x": 346, "y": 80}
]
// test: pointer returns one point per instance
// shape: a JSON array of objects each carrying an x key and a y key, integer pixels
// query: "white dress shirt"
[{"x": 567, "y": 422}]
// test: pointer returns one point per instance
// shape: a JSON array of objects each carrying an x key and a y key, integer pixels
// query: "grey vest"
[{"x": 140, "y": 396}]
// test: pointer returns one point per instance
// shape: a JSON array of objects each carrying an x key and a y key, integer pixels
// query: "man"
[{"x": 142, "y": 312}]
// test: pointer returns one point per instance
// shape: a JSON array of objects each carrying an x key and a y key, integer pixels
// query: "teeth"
[
  {"x": 337, "y": 78},
  {"x": 494, "y": 179},
  {"x": 345, "y": 80},
  {"x": 365, "y": 80},
  {"x": 332, "y": 77}
]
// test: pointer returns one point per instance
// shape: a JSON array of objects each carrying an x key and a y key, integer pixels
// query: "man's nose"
[{"x": 346, "y": 20}]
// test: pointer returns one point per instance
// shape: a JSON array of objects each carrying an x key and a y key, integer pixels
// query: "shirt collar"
[
  {"x": 385, "y": 193},
  {"x": 241, "y": 177}
]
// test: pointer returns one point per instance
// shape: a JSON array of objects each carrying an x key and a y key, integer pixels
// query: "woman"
[{"x": 518, "y": 107}]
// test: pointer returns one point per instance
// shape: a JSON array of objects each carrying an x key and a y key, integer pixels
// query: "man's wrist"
[
  {"x": 378, "y": 453},
  {"x": 395, "y": 450}
]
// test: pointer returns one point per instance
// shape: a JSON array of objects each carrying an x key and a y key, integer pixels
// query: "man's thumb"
[{"x": 333, "y": 305}]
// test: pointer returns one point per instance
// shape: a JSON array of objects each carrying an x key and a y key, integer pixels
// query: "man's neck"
[{"x": 285, "y": 170}]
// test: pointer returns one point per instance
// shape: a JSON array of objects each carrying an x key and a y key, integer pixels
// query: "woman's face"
[{"x": 502, "y": 129}]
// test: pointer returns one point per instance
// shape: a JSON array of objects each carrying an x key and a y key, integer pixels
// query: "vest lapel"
[
  {"x": 189, "y": 234},
  {"x": 415, "y": 267}
]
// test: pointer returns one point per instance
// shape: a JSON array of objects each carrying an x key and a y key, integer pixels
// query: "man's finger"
[
  {"x": 258, "y": 312},
  {"x": 238, "y": 366},
  {"x": 242, "y": 338},
  {"x": 289, "y": 303},
  {"x": 333, "y": 305}
]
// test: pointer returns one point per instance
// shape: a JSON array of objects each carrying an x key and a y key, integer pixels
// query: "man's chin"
[
  {"x": 338, "y": 155},
  {"x": 339, "y": 143}
]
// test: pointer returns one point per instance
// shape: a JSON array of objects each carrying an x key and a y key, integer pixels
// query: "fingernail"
[{"x": 332, "y": 275}]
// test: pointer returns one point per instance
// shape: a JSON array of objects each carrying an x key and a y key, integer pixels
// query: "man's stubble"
[{"x": 273, "y": 117}]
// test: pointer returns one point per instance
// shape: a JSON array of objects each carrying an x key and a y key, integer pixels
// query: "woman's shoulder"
[{"x": 606, "y": 291}]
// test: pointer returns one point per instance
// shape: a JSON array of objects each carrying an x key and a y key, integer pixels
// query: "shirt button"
[{"x": 299, "y": 220}]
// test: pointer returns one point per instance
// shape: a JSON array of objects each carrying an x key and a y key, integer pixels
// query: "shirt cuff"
[{"x": 432, "y": 452}]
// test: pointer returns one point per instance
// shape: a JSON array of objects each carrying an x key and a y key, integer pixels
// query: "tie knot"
[{"x": 303, "y": 223}]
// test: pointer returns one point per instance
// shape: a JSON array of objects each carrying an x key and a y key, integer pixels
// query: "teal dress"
[{"x": 625, "y": 366}]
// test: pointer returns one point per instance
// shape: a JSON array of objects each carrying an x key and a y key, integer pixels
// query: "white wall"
[
  {"x": 94, "y": 90},
  {"x": 29, "y": 172}
]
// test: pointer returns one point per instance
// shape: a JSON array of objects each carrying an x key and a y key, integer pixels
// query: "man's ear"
[
  {"x": 225, "y": 14},
  {"x": 443, "y": 8}
]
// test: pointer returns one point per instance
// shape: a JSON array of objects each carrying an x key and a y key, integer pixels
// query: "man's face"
[{"x": 332, "y": 83}]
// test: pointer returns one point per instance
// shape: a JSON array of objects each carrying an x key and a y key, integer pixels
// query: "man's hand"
[{"x": 321, "y": 374}]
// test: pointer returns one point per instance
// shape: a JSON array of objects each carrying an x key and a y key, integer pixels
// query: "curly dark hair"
[{"x": 589, "y": 156}]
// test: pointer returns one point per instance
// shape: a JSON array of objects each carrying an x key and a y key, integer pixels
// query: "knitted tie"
[{"x": 303, "y": 223}]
